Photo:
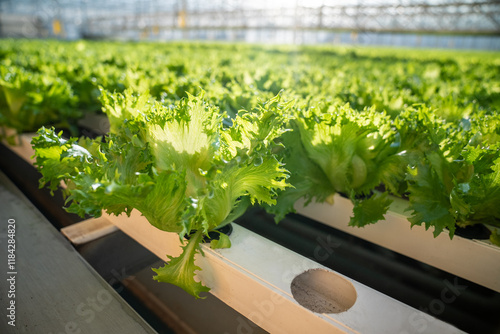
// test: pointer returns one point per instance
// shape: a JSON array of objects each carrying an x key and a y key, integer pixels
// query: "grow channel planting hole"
[{"x": 322, "y": 291}]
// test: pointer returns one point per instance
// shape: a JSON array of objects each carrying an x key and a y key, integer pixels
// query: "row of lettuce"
[
  {"x": 53, "y": 82},
  {"x": 200, "y": 132}
]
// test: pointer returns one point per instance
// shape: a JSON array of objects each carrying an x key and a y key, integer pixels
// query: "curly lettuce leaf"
[
  {"x": 120, "y": 107},
  {"x": 180, "y": 271},
  {"x": 223, "y": 241},
  {"x": 429, "y": 199},
  {"x": 482, "y": 191},
  {"x": 49, "y": 148},
  {"x": 369, "y": 210}
]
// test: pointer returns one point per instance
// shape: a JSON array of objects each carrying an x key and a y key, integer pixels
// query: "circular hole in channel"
[{"x": 322, "y": 291}]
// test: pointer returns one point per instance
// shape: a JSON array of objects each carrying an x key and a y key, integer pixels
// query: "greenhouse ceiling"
[{"x": 238, "y": 19}]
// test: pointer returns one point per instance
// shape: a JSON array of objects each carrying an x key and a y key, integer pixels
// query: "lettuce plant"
[
  {"x": 29, "y": 100},
  {"x": 456, "y": 180},
  {"x": 187, "y": 168},
  {"x": 340, "y": 150}
]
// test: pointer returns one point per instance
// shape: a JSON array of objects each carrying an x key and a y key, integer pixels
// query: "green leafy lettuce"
[
  {"x": 29, "y": 100},
  {"x": 187, "y": 168},
  {"x": 458, "y": 182},
  {"x": 340, "y": 150}
]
